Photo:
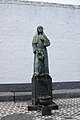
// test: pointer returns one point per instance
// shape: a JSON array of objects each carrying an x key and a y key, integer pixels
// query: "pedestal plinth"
[{"x": 41, "y": 86}]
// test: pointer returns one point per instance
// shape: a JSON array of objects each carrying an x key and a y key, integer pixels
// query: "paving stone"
[{"x": 69, "y": 109}]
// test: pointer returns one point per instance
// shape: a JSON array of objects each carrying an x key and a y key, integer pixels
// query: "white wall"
[{"x": 17, "y": 27}]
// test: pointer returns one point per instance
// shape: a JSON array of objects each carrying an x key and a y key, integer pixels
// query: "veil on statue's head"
[
  {"x": 35, "y": 38},
  {"x": 39, "y": 27}
]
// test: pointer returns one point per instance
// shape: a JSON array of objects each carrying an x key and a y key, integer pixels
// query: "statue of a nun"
[{"x": 39, "y": 44}]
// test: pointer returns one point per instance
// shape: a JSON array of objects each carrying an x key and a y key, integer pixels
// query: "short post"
[{"x": 14, "y": 96}]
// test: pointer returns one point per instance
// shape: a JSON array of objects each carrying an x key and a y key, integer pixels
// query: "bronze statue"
[
  {"x": 39, "y": 44},
  {"x": 41, "y": 80}
]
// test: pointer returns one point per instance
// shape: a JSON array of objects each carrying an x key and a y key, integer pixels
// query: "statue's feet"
[{"x": 43, "y": 74}]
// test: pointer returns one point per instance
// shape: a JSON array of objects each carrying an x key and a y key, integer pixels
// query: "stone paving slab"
[{"x": 69, "y": 109}]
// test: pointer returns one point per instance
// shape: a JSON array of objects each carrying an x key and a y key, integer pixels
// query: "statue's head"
[{"x": 40, "y": 29}]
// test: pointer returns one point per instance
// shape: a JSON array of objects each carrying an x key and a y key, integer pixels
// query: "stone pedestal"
[
  {"x": 42, "y": 94},
  {"x": 41, "y": 86}
]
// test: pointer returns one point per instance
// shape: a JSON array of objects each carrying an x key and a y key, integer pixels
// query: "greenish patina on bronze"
[{"x": 39, "y": 44}]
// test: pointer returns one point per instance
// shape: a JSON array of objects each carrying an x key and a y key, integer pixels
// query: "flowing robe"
[{"x": 39, "y": 44}]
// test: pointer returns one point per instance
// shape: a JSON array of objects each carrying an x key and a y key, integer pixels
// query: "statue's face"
[{"x": 40, "y": 30}]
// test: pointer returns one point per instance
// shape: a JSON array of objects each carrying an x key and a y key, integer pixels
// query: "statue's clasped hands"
[{"x": 41, "y": 37}]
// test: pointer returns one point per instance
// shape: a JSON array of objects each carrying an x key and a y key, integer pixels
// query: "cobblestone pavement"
[{"x": 69, "y": 109}]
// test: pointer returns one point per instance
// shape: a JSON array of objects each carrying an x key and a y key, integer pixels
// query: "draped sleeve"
[{"x": 34, "y": 44}]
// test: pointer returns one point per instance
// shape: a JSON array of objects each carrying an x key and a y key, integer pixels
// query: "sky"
[{"x": 72, "y": 2}]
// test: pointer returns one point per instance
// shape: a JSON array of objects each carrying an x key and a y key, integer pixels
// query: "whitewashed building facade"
[{"x": 18, "y": 22}]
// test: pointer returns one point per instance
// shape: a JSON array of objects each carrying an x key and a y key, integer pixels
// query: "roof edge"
[{"x": 38, "y": 3}]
